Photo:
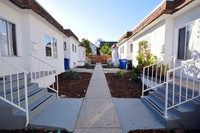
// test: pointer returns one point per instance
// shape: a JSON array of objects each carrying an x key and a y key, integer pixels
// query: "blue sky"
[{"x": 94, "y": 19}]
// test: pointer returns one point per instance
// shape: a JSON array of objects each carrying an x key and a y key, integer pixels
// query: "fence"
[{"x": 99, "y": 58}]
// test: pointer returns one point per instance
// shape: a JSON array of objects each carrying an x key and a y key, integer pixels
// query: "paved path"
[{"x": 98, "y": 114}]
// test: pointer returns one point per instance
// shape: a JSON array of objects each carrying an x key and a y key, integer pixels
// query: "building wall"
[
  {"x": 30, "y": 31},
  {"x": 184, "y": 19},
  {"x": 74, "y": 57},
  {"x": 115, "y": 55},
  {"x": 81, "y": 56},
  {"x": 123, "y": 55},
  {"x": 38, "y": 29},
  {"x": 155, "y": 36},
  {"x": 94, "y": 49},
  {"x": 181, "y": 20}
]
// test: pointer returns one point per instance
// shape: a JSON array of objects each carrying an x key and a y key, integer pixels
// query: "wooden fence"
[{"x": 99, "y": 58}]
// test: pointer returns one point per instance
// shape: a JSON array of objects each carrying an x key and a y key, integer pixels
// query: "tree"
[
  {"x": 105, "y": 49},
  {"x": 86, "y": 43}
]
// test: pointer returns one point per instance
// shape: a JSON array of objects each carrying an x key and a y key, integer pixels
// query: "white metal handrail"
[
  {"x": 153, "y": 74},
  {"x": 187, "y": 90},
  {"x": 41, "y": 69},
  {"x": 9, "y": 74}
]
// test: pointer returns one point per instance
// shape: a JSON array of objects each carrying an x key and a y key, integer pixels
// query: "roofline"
[
  {"x": 166, "y": 7},
  {"x": 37, "y": 8},
  {"x": 126, "y": 35},
  {"x": 69, "y": 33}
]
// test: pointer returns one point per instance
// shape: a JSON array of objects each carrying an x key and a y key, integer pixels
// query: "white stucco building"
[
  {"x": 73, "y": 50},
  {"x": 172, "y": 28}
]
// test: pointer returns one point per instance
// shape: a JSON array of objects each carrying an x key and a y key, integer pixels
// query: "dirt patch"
[
  {"x": 123, "y": 87},
  {"x": 74, "y": 88},
  {"x": 31, "y": 131},
  {"x": 164, "y": 131}
]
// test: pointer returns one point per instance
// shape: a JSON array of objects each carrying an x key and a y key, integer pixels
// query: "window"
[
  {"x": 73, "y": 47},
  {"x": 131, "y": 48},
  {"x": 55, "y": 54},
  {"x": 8, "y": 45},
  {"x": 48, "y": 45},
  {"x": 185, "y": 43},
  {"x": 122, "y": 50},
  {"x": 51, "y": 46},
  {"x": 65, "y": 46}
]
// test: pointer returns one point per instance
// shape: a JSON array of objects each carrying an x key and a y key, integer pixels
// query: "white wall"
[
  {"x": 182, "y": 20},
  {"x": 74, "y": 56},
  {"x": 115, "y": 55},
  {"x": 94, "y": 49},
  {"x": 81, "y": 56},
  {"x": 31, "y": 29},
  {"x": 123, "y": 55},
  {"x": 38, "y": 29},
  {"x": 155, "y": 36}
]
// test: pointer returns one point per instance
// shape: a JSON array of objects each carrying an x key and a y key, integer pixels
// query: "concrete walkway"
[{"x": 98, "y": 114}]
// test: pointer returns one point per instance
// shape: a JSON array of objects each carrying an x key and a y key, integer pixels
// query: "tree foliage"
[
  {"x": 105, "y": 49},
  {"x": 86, "y": 43},
  {"x": 145, "y": 57}
]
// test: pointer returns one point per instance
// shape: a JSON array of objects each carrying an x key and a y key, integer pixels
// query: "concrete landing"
[
  {"x": 98, "y": 114},
  {"x": 61, "y": 114},
  {"x": 134, "y": 115}
]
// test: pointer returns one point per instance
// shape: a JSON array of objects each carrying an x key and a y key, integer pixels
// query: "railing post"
[
  {"x": 26, "y": 98},
  {"x": 143, "y": 82},
  {"x": 166, "y": 96},
  {"x": 57, "y": 85}
]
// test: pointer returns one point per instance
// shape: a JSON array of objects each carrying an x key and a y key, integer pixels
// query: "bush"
[
  {"x": 71, "y": 75},
  {"x": 135, "y": 74},
  {"x": 145, "y": 57},
  {"x": 120, "y": 74},
  {"x": 86, "y": 65}
]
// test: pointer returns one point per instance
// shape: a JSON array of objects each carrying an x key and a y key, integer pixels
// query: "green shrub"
[
  {"x": 71, "y": 75},
  {"x": 145, "y": 57},
  {"x": 135, "y": 74},
  {"x": 86, "y": 65},
  {"x": 135, "y": 78},
  {"x": 120, "y": 74}
]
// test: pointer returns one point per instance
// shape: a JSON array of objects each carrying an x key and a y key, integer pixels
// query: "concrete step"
[
  {"x": 171, "y": 122},
  {"x": 21, "y": 91},
  {"x": 190, "y": 104},
  {"x": 40, "y": 104}
]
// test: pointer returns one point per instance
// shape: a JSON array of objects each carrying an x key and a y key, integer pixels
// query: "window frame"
[
  {"x": 54, "y": 50},
  {"x": 11, "y": 37},
  {"x": 186, "y": 45}
]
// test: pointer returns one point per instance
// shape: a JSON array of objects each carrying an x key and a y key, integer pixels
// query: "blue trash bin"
[
  {"x": 122, "y": 63},
  {"x": 66, "y": 63}
]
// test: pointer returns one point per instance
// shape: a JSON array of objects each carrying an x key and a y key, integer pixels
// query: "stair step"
[
  {"x": 191, "y": 104},
  {"x": 8, "y": 91},
  {"x": 159, "y": 108},
  {"x": 38, "y": 105},
  {"x": 45, "y": 98}
]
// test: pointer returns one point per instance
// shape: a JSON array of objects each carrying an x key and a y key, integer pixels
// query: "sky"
[{"x": 94, "y": 19}]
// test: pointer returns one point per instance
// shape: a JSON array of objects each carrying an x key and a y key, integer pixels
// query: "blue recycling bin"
[
  {"x": 122, "y": 63},
  {"x": 66, "y": 63}
]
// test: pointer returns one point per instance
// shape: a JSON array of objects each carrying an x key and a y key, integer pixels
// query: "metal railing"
[
  {"x": 188, "y": 85},
  {"x": 13, "y": 77},
  {"x": 42, "y": 72},
  {"x": 155, "y": 75}
]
